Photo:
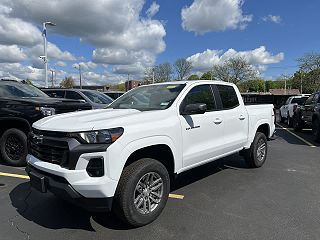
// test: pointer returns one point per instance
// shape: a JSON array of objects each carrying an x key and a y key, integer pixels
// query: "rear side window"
[
  {"x": 73, "y": 95},
  {"x": 201, "y": 94},
  {"x": 55, "y": 94},
  {"x": 228, "y": 96}
]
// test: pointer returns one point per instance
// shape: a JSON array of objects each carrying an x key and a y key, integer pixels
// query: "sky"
[{"x": 111, "y": 39}]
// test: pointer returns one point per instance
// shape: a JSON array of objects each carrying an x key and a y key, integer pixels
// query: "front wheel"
[
  {"x": 13, "y": 147},
  {"x": 316, "y": 129},
  {"x": 289, "y": 120},
  {"x": 256, "y": 155},
  {"x": 142, "y": 192},
  {"x": 297, "y": 124}
]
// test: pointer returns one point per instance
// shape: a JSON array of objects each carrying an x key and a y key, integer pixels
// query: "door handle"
[
  {"x": 217, "y": 121},
  {"x": 242, "y": 117}
]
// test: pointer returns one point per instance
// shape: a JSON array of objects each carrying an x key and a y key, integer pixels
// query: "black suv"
[
  {"x": 20, "y": 106},
  {"x": 308, "y": 115}
]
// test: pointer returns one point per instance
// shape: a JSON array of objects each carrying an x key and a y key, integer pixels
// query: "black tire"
[
  {"x": 289, "y": 120},
  {"x": 316, "y": 130},
  {"x": 13, "y": 147},
  {"x": 297, "y": 124},
  {"x": 124, "y": 206},
  {"x": 251, "y": 155}
]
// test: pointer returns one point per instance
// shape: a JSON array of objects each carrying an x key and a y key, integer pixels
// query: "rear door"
[
  {"x": 202, "y": 134},
  {"x": 235, "y": 118},
  {"x": 308, "y": 109}
]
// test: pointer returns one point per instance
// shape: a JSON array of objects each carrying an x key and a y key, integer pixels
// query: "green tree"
[
  {"x": 235, "y": 70},
  {"x": 67, "y": 82},
  {"x": 193, "y": 77},
  {"x": 207, "y": 76}
]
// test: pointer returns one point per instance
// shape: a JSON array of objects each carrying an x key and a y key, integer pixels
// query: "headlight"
[
  {"x": 46, "y": 111},
  {"x": 101, "y": 136}
]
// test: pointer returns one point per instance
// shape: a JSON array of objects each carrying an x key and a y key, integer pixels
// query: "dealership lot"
[{"x": 222, "y": 200}]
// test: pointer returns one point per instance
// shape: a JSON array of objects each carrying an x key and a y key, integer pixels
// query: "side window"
[
  {"x": 55, "y": 94},
  {"x": 201, "y": 94},
  {"x": 73, "y": 95},
  {"x": 228, "y": 96},
  {"x": 309, "y": 100}
]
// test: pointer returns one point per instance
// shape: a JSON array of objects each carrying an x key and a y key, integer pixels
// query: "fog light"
[{"x": 95, "y": 167}]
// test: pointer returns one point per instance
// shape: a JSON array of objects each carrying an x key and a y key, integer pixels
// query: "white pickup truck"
[
  {"x": 287, "y": 110},
  {"x": 123, "y": 158}
]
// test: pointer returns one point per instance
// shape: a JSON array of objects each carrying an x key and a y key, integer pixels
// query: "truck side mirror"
[{"x": 197, "y": 108}]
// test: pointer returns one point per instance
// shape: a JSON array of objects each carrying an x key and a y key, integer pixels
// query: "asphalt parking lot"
[{"x": 222, "y": 200}]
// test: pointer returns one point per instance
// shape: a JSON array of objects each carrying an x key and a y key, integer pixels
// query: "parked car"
[
  {"x": 94, "y": 98},
  {"x": 126, "y": 155},
  {"x": 287, "y": 110},
  {"x": 20, "y": 106},
  {"x": 114, "y": 94},
  {"x": 308, "y": 115}
]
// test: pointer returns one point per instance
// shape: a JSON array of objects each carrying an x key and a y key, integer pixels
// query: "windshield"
[
  {"x": 97, "y": 97},
  {"x": 14, "y": 89},
  {"x": 153, "y": 97},
  {"x": 299, "y": 101}
]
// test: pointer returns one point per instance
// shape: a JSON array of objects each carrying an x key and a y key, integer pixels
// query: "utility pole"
[
  {"x": 52, "y": 83},
  {"x": 152, "y": 75},
  {"x": 78, "y": 66},
  {"x": 45, "y": 57},
  {"x": 301, "y": 81}
]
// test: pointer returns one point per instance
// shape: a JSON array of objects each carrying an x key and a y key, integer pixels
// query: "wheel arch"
[
  {"x": 160, "y": 148},
  {"x": 19, "y": 123}
]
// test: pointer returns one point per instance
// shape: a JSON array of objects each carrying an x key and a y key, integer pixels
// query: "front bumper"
[{"x": 43, "y": 182}]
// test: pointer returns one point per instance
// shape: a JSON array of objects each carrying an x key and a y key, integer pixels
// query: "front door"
[{"x": 202, "y": 134}]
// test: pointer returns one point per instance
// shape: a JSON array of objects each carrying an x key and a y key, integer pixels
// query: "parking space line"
[
  {"x": 14, "y": 175},
  {"x": 175, "y": 196},
  {"x": 300, "y": 138}
]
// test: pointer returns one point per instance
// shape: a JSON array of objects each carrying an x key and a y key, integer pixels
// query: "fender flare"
[
  {"x": 253, "y": 133},
  {"x": 138, "y": 144}
]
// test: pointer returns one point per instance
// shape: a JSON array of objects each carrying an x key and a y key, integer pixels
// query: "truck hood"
[{"x": 85, "y": 120}]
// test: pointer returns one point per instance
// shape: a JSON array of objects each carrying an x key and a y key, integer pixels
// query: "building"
[
  {"x": 132, "y": 84},
  {"x": 277, "y": 97}
]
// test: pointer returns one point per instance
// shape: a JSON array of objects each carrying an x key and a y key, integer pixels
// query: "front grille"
[{"x": 49, "y": 149}]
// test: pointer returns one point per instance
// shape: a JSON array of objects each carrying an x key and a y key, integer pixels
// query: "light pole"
[
  {"x": 52, "y": 71},
  {"x": 301, "y": 72},
  {"x": 79, "y": 67},
  {"x": 45, "y": 59}
]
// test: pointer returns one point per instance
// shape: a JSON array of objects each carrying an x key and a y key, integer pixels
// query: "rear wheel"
[
  {"x": 13, "y": 147},
  {"x": 256, "y": 155},
  {"x": 281, "y": 118},
  {"x": 142, "y": 192},
  {"x": 316, "y": 129}
]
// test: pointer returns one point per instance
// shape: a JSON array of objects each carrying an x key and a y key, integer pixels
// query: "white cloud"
[
  {"x": 61, "y": 64},
  {"x": 122, "y": 29},
  {"x": 259, "y": 57},
  {"x": 16, "y": 31},
  {"x": 11, "y": 54},
  {"x": 53, "y": 52},
  {"x": 214, "y": 15},
  {"x": 20, "y": 72},
  {"x": 85, "y": 65},
  {"x": 272, "y": 18},
  {"x": 153, "y": 9}
]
